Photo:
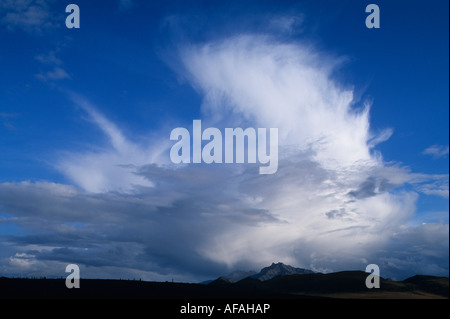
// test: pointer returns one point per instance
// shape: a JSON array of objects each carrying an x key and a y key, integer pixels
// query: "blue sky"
[{"x": 86, "y": 115}]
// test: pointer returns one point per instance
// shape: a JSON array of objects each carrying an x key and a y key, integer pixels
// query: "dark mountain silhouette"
[
  {"x": 339, "y": 282},
  {"x": 274, "y": 270},
  {"x": 239, "y": 275},
  {"x": 345, "y": 284},
  {"x": 284, "y": 279},
  {"x": 220, "y": 282},
  {"x": 250, "y": 283},
  {"x": 431, "y": 284},
  {"x": 351, "y": 284},
  {"x": 235, "y": 276}
]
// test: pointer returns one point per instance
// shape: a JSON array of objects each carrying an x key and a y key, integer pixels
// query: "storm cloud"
[{"x": 333, "y": 204}]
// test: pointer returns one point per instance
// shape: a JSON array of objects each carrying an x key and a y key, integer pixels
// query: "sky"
[{"x": 86, "y": 116}]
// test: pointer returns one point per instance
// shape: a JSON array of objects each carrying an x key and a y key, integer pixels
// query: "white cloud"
[
  {"x": 22, "y": 260},
  {"x": 28, "y": 15},
  {"x": 326, "y": 156},
  {"x": 437, "y": 151},
  {"x": 287, "y": 86},
  {"x": 49, "y": 58},
  {"x": 287, "y": 24},
  {"x": 383, "y": 136},
  {"x": 114, "y": 168},
  {"x": 55, "y": 74},
  {"x": 437, "y": 188}
]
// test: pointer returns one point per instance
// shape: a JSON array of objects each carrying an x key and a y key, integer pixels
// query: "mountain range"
[
  {"x": 266, "y": 273},
  {"x": 285, "y": 279},
  {"x": 278, "y": 281}
]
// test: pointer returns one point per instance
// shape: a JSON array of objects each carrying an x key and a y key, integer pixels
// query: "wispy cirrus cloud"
[
  {"x": 6, "y": 119},
  {"x": 53, "y": 64},
  {"x": 32, "y": 16},
  {"x": 437, "y": 151},
  {"x": 114, "y": 167},
  {"x": 49, "y": 58},
  {"x": 126, "y": 4},
  {"x": 55, "y": 74}
]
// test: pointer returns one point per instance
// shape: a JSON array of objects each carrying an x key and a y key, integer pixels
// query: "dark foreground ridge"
[{"x": 346, "y": 284}]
